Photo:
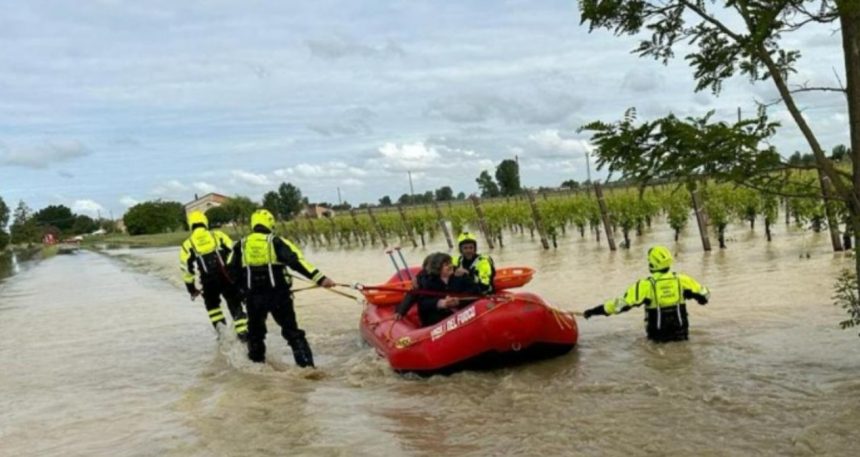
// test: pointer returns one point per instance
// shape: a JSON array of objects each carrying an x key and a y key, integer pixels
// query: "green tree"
[
  {"x": 746, "y": 37},
  {"x": 801, "y": 160},
  {"x": 405, "y": 199},
  {"x": 291, "y": 200},
  {"x": 154, "y": 217},
  {"x": 24, "y": 228},
  {"x": 4, "y": 220},
  {"x": 385, "y": 201},
  {"x": 461, "y": 196},
  {"x": 272, "y": 202},
  {"x": 4, "y": 214},
  {"x": 240, "y": 209},
  {"x": 508, "y": 177},
  {"x": 219, "y": 216},
  {"x": 488, "y": 187},
  {"x": 444, "y": 194},
  {"x": 840, "y": 153},
  {"x": 84, "y": 224},
  {"x": 571, "y": 184},
  {"x": 58, "y": 216}
]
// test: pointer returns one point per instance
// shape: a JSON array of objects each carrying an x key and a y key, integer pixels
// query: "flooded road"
[{"x": 105, "y": 355}]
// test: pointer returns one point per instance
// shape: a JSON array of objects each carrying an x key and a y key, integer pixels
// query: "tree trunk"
[
  {"x": 700, "y": 219},
  {"x": 604, "y": 214},
  {"x": 476, "y": 202},
  {"x": 832, "y": 224},
  {"x": 849, "y": 18},
  {"x": 767, "y": 230},
  {"x": 441, "y": 220}
]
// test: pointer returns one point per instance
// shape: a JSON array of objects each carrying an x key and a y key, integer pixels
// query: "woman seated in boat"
[
  {"x": 435, "y": 281},
  {"x": 409, "y": 299}
]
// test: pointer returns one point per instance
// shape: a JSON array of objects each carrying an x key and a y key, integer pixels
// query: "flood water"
[{"x": 104, "y": 354}]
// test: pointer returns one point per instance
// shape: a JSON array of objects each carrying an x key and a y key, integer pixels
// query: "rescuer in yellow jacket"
[
  {"x": 204, "y": 253},
  {"x": 480, "y": 267},
  {"x": 259, "y": 263},
  {"x": 664, "y": 294}
]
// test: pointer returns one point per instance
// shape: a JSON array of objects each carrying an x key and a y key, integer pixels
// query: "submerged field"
[{"x": 105, "y": 354}]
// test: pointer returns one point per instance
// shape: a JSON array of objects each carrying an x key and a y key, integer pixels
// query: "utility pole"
[
  {"x": 517, "y": 161},
  {"x": 339, "y": 201},
  {"x": 411, "y": 188},
  {"x": 588, "y": 166}
]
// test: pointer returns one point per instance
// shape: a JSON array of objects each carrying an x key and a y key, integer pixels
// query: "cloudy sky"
[{"x": 107, "y": 103}]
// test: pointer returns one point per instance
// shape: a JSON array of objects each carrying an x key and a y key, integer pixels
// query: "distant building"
[
  {"x": 315, "y": 211},
  {"x": 120, "y": 226},
  {"x": 205, "y": 202}
]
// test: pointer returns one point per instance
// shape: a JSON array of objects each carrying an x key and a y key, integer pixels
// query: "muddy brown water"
[{"x": 105, "y": 355}]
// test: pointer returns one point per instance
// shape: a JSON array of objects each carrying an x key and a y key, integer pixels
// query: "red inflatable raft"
[
  {"x": 503, "y": 329},
  {"x": 393, "y": 291}
]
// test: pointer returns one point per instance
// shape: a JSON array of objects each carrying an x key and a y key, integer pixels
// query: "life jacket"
[
  {"x": 666, "y": 314},
  {"x": 207, "y": 254},
  {"x": 473, "y": 268},
  {"x": 261, "y": 264}
]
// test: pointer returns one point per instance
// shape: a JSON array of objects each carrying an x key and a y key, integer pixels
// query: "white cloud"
[
  {"x": 409, "y": 156},
  {"x": 532, "y": 107},
  {"x": 128, "y": 202},
  {"x": 352, "y": 182},
  {"x": 550, "y": 143},
  {"x": 642, "y": 80},
  {"x": 171, "y": 187},
  {"x": 333, "y": 169},
  {"x": 204, "y": 187},
  {"x": 88, "y": 207},
  {"x": 271, "y": 144},
  {"x": 339, "y": 47},
  {"x": 253, "y": 179},
  {"x": 42, "y": 156}
]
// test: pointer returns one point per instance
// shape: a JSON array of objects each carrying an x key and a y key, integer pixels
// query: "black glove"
[
  {"x": 596, "y": 311},
  {"x": 192, "y": 290}
]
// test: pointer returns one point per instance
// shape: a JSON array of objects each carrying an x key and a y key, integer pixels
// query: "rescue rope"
[
  {"x": 334, "y": 291},
  {"x": 419, "y": 292},
  {"x": 300, "y": 289}
]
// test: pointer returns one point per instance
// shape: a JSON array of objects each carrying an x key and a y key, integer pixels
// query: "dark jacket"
[{"x": 428, "y": 310}]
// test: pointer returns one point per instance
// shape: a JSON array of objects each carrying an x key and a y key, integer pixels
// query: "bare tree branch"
[
  {"x": 818, "y": 89},
  {"x": 704, "y": 15}
]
